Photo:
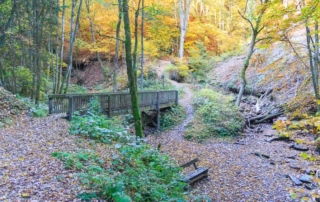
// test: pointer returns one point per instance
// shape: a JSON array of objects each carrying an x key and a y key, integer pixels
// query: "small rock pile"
[{"x": 10, "y": 106}]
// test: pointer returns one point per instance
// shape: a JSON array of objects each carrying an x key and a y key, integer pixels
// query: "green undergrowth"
[
  {"x": 134, "y": 171},
  {"x": 215, "y": 116},
  {"x": 172, "y": 117}
]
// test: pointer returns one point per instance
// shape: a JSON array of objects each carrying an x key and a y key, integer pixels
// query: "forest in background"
[
  {"x": 266, "y": 52},
  {"x": 44, "y": 42}
]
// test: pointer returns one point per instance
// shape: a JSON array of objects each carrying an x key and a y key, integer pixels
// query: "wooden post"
[
  {"x": 109, "y": 106},
  {"x": 50, "y": 106},
  {"x": 158, "y": 111},
  {"x": 70, "y": 108},
  {"x": 177, "y": 97}
]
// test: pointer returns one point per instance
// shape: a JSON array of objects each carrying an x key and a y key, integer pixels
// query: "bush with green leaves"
[
  {"x": 97, "y": 126},
  {"x": 179, "y": 72},
  {"x": 215, "y": 115},
  {"x": 138, "y": 173},
  {"x": 172, "y": 117},
  {"x": 36, "y": 110},
  {"x": 199, "y": 62}
]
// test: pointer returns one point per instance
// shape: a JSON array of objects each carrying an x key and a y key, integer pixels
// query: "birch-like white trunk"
[{"x": 184, "y": 10}]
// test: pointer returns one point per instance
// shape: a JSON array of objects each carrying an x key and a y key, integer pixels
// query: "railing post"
[
  {"x": 158, "y": 111},
  {"x": 70, "y": 108},
  {"x": 109, "y": 106},
  {"x": 50, "y": 106},
  {"x": 177, "y": 97}
]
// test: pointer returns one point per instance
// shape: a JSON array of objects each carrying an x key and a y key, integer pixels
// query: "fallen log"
[
  {"x": 280, "y": 138},
  {"x": 261, "y": 155},
  {"x": 264, "y": 118}
]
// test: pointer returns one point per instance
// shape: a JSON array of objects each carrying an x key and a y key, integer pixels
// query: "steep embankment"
[
  {"x": 10, "y": 106},
  {"x": 282, "y": 68}
]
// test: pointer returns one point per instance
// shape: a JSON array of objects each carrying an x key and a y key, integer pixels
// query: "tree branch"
[
  {"x": 98, "y": 32},
  {"x": 252, "y": 27}
]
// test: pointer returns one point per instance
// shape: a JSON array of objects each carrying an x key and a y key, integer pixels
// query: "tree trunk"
[
  {"x": 255, "y": 29},
  {"x": 116, "y": 57},
  {"x": 244, "y": 69},
  {"x": 142, "y": 45},
  {"x": 59, "y": 90},
  {"x": 73, "y": 33},
  {"x": 135, "y": 51},
  {"x": 132, "y": 75},
  {"x": 94, "y": 39},
  {"x": 184, "y": 8},
  {"x": 314, "y": 61},
  {"x": 71, "y": 50}
]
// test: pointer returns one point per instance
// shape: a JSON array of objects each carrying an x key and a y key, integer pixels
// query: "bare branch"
[
  {"x": 295, "y": 51},
  {"x": 98, "y": 32},
  {"x": 252, "y": 27}
]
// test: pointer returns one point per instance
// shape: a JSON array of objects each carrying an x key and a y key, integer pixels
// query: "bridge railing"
[{"x": 111, "y": 103}]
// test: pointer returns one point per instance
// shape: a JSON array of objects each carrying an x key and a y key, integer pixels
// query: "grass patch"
[{"x": 215, "y": 116}]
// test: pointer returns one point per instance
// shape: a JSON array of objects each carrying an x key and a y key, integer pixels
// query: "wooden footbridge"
[{"x": 112, "y": 104}]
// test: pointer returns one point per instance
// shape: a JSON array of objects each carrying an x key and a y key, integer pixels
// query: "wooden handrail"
[{"x": 113, "y": 103}]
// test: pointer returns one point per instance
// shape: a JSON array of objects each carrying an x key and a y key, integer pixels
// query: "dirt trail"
[
  {"x": 235, "y": 173},
  {"x": 185, "y": 101}
]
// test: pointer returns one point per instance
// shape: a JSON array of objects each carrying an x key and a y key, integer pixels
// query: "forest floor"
[
  {"x": 235, "y": 172},
  {"x": 29, "y": 172}
]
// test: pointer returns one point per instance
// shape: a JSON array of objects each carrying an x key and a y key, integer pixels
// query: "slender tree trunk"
[
  {"x": 135, "y": 51},
  {"x": 244, "y": 69},
  {"x": 256, "y": 28},
  {"x": 73, "y": 33},
  {"x": 71, "y": 47},
  {"x": 105, "y": 74},
  {"x": 132, "y": 75},
  {"x": 142, "y": 45},
  {"x": 59, "y": 90},
  {"x": 314, "y": 60},
  {"x": 8, "y": 24},
  {"x": 116, "y": 57},
  {"x": 184, "y": 8}
]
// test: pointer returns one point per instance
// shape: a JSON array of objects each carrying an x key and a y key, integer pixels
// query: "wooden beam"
[
  {"x": 158, "y": 111},
  {"x": 70, "y": 108}
]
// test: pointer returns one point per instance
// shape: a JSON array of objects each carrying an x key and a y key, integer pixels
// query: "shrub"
[
  {"x": 199, "y": 62},
  {"x": 215, "y": 115},
  {"x": 172, "y": 117},
  {"x": 96, "y": 126},
  {"x": 178, "y": 73},
  {"x": 36, "y": 110},
  {"x": 138, "y": 173}
]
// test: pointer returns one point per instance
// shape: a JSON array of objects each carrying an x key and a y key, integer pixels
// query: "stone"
[
  {"x": 299, "y": 147},
  {"x": 295, "y": 180},
  {"x": 293, "y": 166},
  {"x": 306, "y": 178},
  {"x": 310, "y": 186}
]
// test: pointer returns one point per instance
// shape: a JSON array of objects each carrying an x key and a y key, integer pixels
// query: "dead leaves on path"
[{"x": 27, "y": 170}]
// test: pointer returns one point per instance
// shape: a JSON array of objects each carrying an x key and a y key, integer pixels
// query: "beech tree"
[
  {"x": 74, "y": 26},
  {"x": 256, "y": 28},
  {"x": 132, "y": 74},
  {"x": 184, "y": 10}
]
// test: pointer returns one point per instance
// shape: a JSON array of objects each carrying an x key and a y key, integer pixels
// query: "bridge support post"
[
  {"x": 109, "y": 106},
  {"x": 177, "y": 97},
  {"x": 50, "y": 106},
  {"x": 70, "y": 108},
  {"x": 158, "y": 111}
]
